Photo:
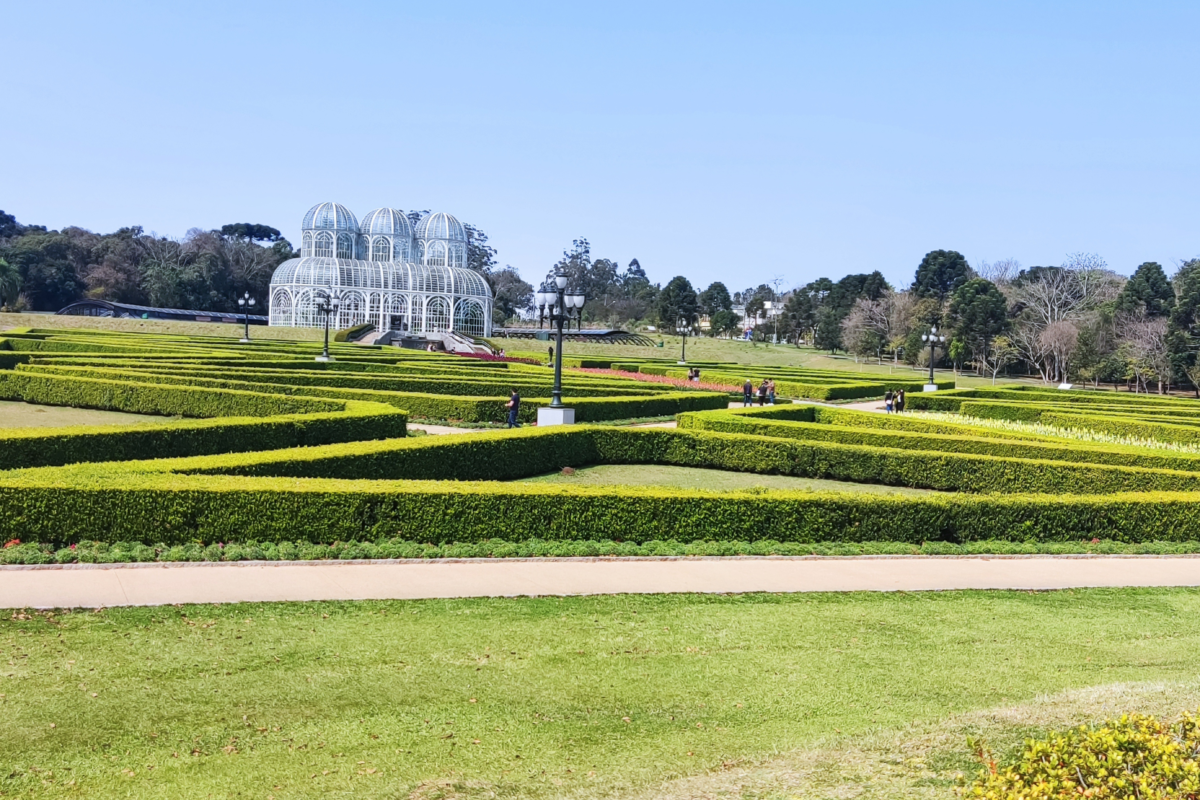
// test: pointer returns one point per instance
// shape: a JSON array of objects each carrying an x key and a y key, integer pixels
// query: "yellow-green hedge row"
[
  {"x": 111, "y": 502},
  {"x": 506, "y": 456},
  {"x": 40, "y": 447},
  {"x": 979, "y": 443},
  {"x": 147, "y": 398}
]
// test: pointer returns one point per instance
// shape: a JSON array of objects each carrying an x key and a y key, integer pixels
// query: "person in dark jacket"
[
  {"x": 514, "y": 407},
  {"x": 899, "y": 401},
  {"x": 747, "y": 393},
  {"x": 762, "y": 393}
]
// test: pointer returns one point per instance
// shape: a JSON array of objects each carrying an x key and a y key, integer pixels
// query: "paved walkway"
[{"x": 90, "y": 586}]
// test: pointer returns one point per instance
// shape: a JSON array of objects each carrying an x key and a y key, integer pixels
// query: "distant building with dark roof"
[{"x": 104, "y": 308}]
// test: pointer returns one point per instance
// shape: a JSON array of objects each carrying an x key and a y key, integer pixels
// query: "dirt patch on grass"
[{"x": 921, "y": 762}]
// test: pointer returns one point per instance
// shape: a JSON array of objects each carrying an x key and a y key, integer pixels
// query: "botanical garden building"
[{"x": 386, "y": 271}]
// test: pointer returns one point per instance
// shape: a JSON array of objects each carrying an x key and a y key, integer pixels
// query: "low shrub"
[{"x": 1135, "y": 756}]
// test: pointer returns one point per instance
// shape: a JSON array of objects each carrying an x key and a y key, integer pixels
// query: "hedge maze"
[{"x": 271, "y": 449}]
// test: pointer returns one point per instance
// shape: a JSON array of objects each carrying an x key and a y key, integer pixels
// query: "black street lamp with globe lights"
[
  {"x": 559, "y": 305},
  {"x": 246, "y": 302},
  {"x": 683, "y": 328},
  {"x": 934, "y": 340},
  {"x": 328, "y": 302}
]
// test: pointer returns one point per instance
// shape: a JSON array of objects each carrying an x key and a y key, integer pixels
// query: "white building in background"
[{"x": 406, "y": 278}]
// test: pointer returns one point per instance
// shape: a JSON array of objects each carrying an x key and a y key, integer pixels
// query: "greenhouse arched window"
[
  {"x": 436, "y": 254},
  {"x": 323, "y": 245},
  {"x": 380, "y": 251},
  {"x": 345, "y": 248}
]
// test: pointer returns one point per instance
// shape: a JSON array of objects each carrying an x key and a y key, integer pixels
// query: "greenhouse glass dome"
[{"x": 387, "y": 273}]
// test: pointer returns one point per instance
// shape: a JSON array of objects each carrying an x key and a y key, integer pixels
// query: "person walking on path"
[
  {"x": 899, "y": 401},
  {"x": 887, "y": 401},
  {"x": 514, "y": 406},
  {"x": 762, "y": 393},
  {"x": 747, "y": 393},
  {"x": 771, "y": 391}
]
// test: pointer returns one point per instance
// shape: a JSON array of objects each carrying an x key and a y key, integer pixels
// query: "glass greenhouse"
[{"x": 412, "y": 279}]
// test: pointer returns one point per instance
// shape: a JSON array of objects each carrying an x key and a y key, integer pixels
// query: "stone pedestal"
[
  {"x": 555, "y": 416},
  {"x": 930, "y": 387}
]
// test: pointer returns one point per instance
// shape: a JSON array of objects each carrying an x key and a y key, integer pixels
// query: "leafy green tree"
[
  {"x": 715, "y": 298},
  {"x": 1183, "y": 327},
  {"x": 10, "y": 283},
  {"x": 511, "y": 295},
  {"x": 978, "y": 314},
  {"x": 724, "y": 323},
  {"x": 251, "y": 232},
  {"x": 828, "y": 335},
  {"x": 481, "y": 256},
  {"x": 677, "y": 301},
  {"x": 1148, "y": 293},
  {"x": 940, "y": 273}
]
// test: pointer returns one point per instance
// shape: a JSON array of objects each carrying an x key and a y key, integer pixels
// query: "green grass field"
[
  {"x": 157, "y": 326},
  {"x": 15, "y": 414},
  {"x": 709, "y": 479},
  {"x": 543, "y": 698}
]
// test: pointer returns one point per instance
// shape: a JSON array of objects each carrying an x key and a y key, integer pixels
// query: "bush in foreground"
[{"x": 1135, "y": 756}]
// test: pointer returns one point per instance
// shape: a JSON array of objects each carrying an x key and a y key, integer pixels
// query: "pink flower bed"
[{"x": 683, "y": 383}]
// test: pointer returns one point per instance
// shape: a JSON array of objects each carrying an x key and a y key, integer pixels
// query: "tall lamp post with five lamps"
[
  {"x": 328, "y": 302},
  {"x": 559, "y": 305},
  {"x": 246, "y": 302},
  {"x": 934, "y": 340},
  {"x": 683, "y": 328}
]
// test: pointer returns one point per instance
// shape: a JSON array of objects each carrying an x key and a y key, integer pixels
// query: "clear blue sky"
[{"x": 733, "y": 141}]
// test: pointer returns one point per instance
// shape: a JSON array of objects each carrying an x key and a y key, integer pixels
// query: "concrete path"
[
  {"x": 441, "y": 430},
  {"x": 91, "y": 586}
]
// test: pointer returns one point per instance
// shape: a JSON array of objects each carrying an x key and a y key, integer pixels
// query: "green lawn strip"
[
  {"x": 533, "y": 698},
  {"x": 704, "y": 479}
]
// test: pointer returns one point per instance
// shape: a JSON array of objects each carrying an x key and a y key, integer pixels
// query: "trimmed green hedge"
[
  {"x": 145, "y": 398},
  {"x": 503, "y": 456},
  {"x": 39, "y": 447},
  {"x": 980, "y": 443},
  {"x": 181, "y": 509}
]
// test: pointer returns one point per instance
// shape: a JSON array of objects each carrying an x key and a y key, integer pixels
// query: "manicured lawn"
[
  {"x": 710, "y": 479},
  {"x": 29, "y": 320},
  {"x": 533, "y": 698},
  {"x": 15, "y": 414}
]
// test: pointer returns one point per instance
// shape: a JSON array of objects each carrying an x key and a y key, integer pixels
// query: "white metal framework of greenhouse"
[{"x": 386, "y": 272}]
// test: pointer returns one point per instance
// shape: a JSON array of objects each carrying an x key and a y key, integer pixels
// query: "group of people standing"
[
  {"x": 894, "y": 401},
  {"x": 766, "y": 392},
  {"x": 694, "y": 374}
]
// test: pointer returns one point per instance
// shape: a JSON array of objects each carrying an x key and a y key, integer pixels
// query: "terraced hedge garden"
[{"x": 274, "y": 449}]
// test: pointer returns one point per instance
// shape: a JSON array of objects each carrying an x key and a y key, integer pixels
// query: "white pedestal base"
[
  {"x": 244, "y": 341},
  {"x": 1066, "y": 386},
  {"x": 555, "y": 416},
  {"x": 930, "y": 387},
  {"x": 323, "y": 358}
]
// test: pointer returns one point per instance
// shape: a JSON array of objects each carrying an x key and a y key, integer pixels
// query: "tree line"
[{"x": 206, "y": 270}]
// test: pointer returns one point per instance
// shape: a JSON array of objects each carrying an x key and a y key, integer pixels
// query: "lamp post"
[
  {"x": 559, "y": 305},
  {"x": 246, "y": 302},
  {"x": 328, "y": 302},
  {"x": 934, "y": 340},
  {"x": 683, "y": 328}
]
